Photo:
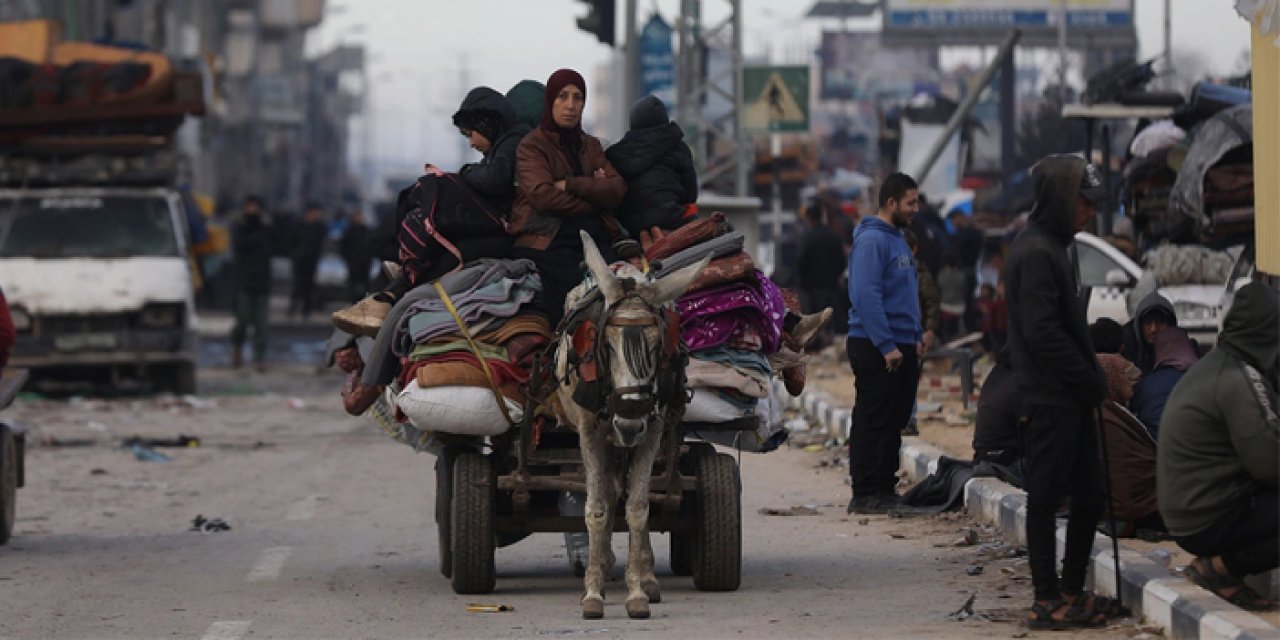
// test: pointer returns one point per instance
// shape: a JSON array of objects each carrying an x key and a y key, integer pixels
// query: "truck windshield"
[{"x": 86, "y": 227}]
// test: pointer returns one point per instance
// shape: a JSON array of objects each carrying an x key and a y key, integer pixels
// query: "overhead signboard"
[
  {"x": 1089, "y": 22},
  {"x": 658, "y": 61},
  {"x": 775, "y": 99}
]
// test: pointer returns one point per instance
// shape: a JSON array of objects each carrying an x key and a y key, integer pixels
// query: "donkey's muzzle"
[{"x": 631, "y": 406}]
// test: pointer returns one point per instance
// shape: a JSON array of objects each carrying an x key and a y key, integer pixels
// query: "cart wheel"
[
  {"x": 8, "y": 482},
  {"x": 717, "y": 542},
  {"x": 444, "y": 504},
  {"x": 682, "y": 541},
  {"x": 471, "y": 522}
]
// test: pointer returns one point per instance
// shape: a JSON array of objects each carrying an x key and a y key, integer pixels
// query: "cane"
[{"x": 1111, "y": 510}]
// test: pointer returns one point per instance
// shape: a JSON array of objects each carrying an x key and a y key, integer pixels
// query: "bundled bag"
[
  {"x": 707, "y": 406},
  {"x": 468, "y": 411}
]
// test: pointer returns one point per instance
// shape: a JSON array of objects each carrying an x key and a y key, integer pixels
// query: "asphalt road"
[{"x": 332, "y": 537}]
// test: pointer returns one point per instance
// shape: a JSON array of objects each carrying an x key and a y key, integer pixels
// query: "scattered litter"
[
  {"x": 898, "y": 536},
  {"x": 297, "y": 403},
  {"x": 928, "y": 407},
  {"x": 957, "y": 421},
  {"x": 198, "y": 403},
  {"x": 577, "y": 632},
  {"x": 1021, "y": 634},
  {"x": 147, "y": 454},
  {"x": 815, "y": 448},
  {"x": 966, "y": 610},
  {"x": 969, "y": 539},
  {"x": 94, "y": 425},
  {"x": 205, "y": 525},
  {"x": 50, "y": 441},
  {"x": 974, "y": 570},
  {"x": 801, "y": 510},
  {"x": 182, "y": 441},
  {"x": 864, "y": 521},
  {"x": 1160, "y": 557},
  {"x": 490, "y": 608},
  {"x": 97, "y": 472},
  {"x": 796, "y": 425}
]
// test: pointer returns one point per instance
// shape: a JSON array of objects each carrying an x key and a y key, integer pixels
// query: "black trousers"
[
  {"x": 1246, "y": 537},
  {"x": 303, "y": 299},
  {"x": 1062, "y": 462},
  {"x": 881, "y": 410}
]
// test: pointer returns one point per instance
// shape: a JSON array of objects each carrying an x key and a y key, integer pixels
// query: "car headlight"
[
  {"x": 1194, "y": 311},
  {"x": 21, "y": 319},
  {"x": 160, "y": 316}
]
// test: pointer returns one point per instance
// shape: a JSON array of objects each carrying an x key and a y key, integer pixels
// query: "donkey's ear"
[
  {"x": 671, "y": 286},
  {"x": 600, "y": 270}
]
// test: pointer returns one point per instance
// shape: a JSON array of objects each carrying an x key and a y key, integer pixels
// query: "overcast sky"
[{"x": 426, "y": 53}]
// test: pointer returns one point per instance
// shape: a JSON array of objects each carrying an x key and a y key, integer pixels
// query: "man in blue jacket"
[{"x": 884, "y": 344}]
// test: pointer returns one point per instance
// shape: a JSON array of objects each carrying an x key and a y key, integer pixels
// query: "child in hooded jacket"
[{"x": 657, "y": 165}]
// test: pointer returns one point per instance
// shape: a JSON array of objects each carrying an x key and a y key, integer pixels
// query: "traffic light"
[{"x": 599, "y": 20}]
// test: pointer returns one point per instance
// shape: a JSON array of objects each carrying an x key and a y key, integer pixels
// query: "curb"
[
  {"x": 1172, "y": 602},
  {"x": 1180, "y": 607}
]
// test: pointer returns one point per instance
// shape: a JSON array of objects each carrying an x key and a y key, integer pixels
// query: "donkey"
[{"x": 635, "y": 359}]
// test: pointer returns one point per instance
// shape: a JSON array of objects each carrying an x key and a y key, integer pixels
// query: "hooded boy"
[
  {"x": 1061, "y": 386},
  {"x": 489, "y": 122},
  {"x": 658, "y": 167}
]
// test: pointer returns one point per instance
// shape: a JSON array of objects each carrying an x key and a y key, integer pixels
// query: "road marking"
[
  {"x": 226, "y": 630},
  {"x": 269, "y": 564},
  {"x": 304, "y": 509}
]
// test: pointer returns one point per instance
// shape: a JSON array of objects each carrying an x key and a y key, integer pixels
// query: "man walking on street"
[
  {"x": 884, "y": 344},
  {"x": 356, "y": 249},
  {"x": 308, "y": 244},
  {"x": 251, "y": 244},
  {"x": 820, "y": 263},
  {"x": 1062, "y": 385}
]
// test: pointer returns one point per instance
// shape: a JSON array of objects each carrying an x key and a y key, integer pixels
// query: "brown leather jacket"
[{"x": 539, "y": 206}]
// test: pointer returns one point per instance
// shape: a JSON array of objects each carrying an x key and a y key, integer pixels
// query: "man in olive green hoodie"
[{"x": 1217, "y": 456}]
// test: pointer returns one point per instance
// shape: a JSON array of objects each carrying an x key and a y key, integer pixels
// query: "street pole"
[
  {"x": 1168, "y": 44},
  {"x": 1062, "y": 45},
  {"x": 631, "y": 92},
  {"x": 775, "y": 153}
]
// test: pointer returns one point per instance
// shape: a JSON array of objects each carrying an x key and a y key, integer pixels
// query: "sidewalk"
[{"x": 1150, "y": 589}]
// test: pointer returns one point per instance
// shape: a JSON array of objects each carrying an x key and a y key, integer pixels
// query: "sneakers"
[
  {"x": 872, "y": 505},
  {"x": 810, "y": 325},
  {"x": 363, "y": 318}
]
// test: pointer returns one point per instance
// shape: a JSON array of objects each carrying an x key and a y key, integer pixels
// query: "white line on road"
[
  {"x": 269, "y": 564},
  {"x": 226, "y": 630},
  {"x": 304, "y": 509}
]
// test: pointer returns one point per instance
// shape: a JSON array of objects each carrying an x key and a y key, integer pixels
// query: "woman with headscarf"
[
  {"x": 1129, "y": 453},
  {"x": 564, "y": 184}
]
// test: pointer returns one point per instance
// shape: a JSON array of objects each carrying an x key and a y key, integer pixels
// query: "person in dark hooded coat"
[
  {"x": 489, "y": 122},
  {"x": 658, "y": 167},
  {"x": 526, "y": 98},
  {"x": 1217, "y": 470},
  {"x": 1154, "y": 312},
  {"x": 1061, "y": 385},
  {"x": 467, "y": 212},
  {"x": 1175, "y": 352}
]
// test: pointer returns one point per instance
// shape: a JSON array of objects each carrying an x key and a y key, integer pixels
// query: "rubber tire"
[
  {"x": 8, "y": 483},
  {"x": 184, "y": 379},
  {"x": 472, "y": 524},
  {"x": 444, "y": 505},
  {"x": 682, "y": 542},
  {"x": 717, "y": 543}
]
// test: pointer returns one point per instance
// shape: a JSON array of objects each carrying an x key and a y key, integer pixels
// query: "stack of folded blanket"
[{"x": 443, "y": 386}]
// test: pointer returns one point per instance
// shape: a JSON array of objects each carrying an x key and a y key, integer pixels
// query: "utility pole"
[
  {"x": 631, "y": 92},
  {"x": 1168, "y": 44},
  {"x": 1062, "y": 46}
]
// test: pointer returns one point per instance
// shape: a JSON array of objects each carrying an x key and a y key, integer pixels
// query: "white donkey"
[{"x": 634, "y": 353}]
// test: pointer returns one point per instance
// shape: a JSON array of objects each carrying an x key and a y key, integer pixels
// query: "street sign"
[
  {"x": 775, "y": 99},
  {"x": 658, "y": 62}
]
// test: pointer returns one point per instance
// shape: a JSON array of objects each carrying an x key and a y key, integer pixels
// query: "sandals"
[
  {"x": 1216, "y": 583},
  {"x": 1076, "y": 616}
]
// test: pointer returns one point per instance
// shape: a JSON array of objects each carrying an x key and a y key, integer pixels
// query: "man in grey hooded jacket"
[{"x": 1217, "y": 469}]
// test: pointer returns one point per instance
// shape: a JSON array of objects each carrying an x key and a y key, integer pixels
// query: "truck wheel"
[
  {"x": 8, "y": 482},
  {"x": 717, "y": 542},
  {"x": 444, "y": 504},
  {"x": 183, "y": 381},
  {"x": 682, "y": 541},
  {"x": 472, "y": 523}
]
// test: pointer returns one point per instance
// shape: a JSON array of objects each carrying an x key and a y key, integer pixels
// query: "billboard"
[
  {"x": 856, "y": 65},
  {"x": 976, "y": 22}
]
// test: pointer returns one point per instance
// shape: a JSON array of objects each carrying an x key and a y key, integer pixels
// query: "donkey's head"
[{"x": 639, "y": 341}]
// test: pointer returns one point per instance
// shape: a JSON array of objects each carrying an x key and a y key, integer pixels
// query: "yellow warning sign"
[{"x": 777, "y": 99}]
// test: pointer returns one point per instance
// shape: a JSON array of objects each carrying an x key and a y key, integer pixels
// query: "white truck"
[{"x": 100, "y": 278}]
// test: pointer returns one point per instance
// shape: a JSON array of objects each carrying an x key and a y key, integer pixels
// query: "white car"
[{"x": 1111, "y": 276}]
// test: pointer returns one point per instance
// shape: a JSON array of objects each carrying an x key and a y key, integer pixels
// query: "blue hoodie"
[{"x": 883, "y": 291}]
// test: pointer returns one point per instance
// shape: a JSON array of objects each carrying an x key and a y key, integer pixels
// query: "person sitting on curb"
[
  {"x": 1130, "y": 455},
  {"x": 1217, "y": 464},
  {"x": 1174, "y": 354}
]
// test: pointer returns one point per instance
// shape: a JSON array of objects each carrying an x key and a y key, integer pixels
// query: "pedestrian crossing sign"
[{"x": 776, "y": 99}]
